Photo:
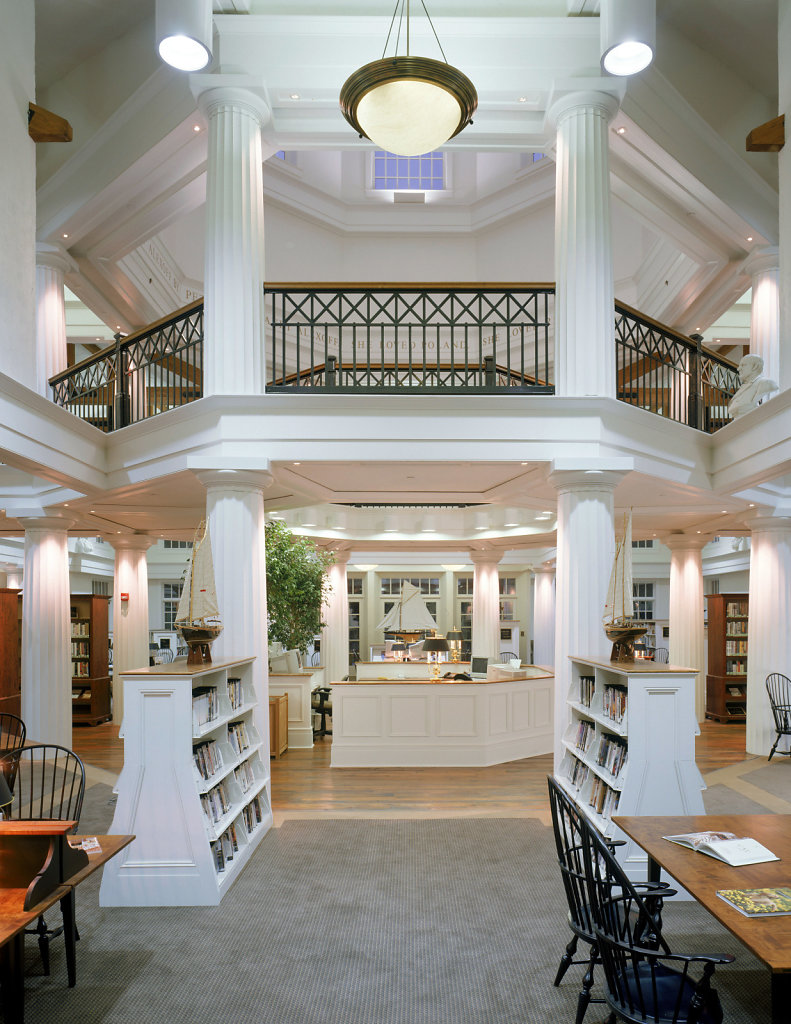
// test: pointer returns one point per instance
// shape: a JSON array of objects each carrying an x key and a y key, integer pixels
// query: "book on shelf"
[
  {"x": 587, "y": 689},
  {"x": 758, "y": 902},
  {"x": 205, "y": 705},
  {"x": 208, "y": 758},
  {"x": 614, "y": 702},
  {"x": 235, "y": 695},
  {"x": 725, "y": 846},
  {"x": 237, "y": 736}
]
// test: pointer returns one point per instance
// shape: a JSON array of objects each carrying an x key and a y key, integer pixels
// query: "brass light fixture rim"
[{"x": 423, "y": 69}]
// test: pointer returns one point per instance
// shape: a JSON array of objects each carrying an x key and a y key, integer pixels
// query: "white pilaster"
[
  {"x": 130, "y": 617},
  {"x": 235, "y": 516},
  {"x": 770, "y": 613},
  {"x": 585, "y": 552},
  {"x": 52, "y": 263},
  {"x": 485, "y": 605},
  {"x": 544, "y": 615},
  {"x": 335, "y": 635},
  {"x": 46, "y": 632},
  {"x": 764, "y": 268},
  {"x": 584, "y": 295},
  {"x": 234, "y": 353},
  {"x": 784, "y": 176},
  {"x": 686, "y": 610}
]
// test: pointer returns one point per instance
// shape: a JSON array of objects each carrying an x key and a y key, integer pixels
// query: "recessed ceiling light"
[
  {"x": 65, "y": 236},
  {"x": 98, "y": 339},
  {"x": 294, "y": 95},
  {"x": 725, "y": 511},
  {"x": 621, "y": 130},
  {"x": 698, "y": 531},
  {"x": 523, "y": 99},
  {"x": 65, "y": 504},
  {"x": 749, "y": 238},
  {"x": 296, "y": 463},
  {"x": 196, "y": 127},
  {"x": 522, "y": 463},
  {"x": 751, "y": 506}
]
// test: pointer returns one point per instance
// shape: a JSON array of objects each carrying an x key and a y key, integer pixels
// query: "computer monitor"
[{"x": 478, "y": 666}]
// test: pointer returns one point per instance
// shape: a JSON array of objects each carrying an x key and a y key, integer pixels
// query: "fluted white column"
[
  {"x": 130, "y": 617},
  {"x": 764, "y": 268},
  {"x": 769, "y": 635},
  {"x": 485, "y": 605},
  {"x": 235, "y": 516},
  {"x": 234, "y": 355},
  {"x": 335, "y": 635},
  {"x": 784, "y": 176},
  {"x": 52, "y": 263},
  {"x": 585, "y": 552},
  {"x": 584, "y": 296},
  {"x": 46, "y": 632},
  {"x": 686, "y": 610},
  {"x": 544, "y": 615}
]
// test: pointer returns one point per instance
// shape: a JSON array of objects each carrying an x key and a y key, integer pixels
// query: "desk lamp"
[
  {"x": 454, "y": 638},
  {"x": 398, "y": 650},
  {"x": 435, "y": 645}
]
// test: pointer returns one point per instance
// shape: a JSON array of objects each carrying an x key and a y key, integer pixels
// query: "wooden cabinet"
[
  {"x": 10, "y": 651},
  {"x": 628, "y": 746},
  {"x": 278, "y": 725},
  {"x": 726, "y": 680},
  {"x": 90, "y": 671},
  {"x": 194, "y": 788}
]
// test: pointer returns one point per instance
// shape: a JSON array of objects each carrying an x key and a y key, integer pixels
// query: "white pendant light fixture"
[
  {"x": 408, "y": 105},
  {"x": 628, "y": 35},
  {"x": 184, "y": 33}
]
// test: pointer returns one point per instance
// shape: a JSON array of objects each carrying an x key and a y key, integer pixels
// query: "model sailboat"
[
  {"x": 198, "y": 615},
  {"x": 408, "y": 618},
  {"x": 619, "y": 624}
]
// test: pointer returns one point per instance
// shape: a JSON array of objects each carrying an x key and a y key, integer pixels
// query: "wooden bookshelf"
[
  {"x": 90, "y": 672},
  {"x": 195, "y": 784},
  {"x": 10, "y": 651},
  {"x": 726, "y": 680}
]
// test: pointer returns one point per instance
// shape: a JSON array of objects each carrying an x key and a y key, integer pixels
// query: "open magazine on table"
[
  {"x": 725, "y": 846},
  {"x": 758, "y": 902}
]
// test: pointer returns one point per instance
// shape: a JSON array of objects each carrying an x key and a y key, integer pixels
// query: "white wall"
[{"x": 17, "y": 194}]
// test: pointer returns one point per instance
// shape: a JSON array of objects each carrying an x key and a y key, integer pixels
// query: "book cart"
[
  {"x": 628, "y": 746},
  {"x": 726, "y": 681},
  {"x": 194, "y": 788}
]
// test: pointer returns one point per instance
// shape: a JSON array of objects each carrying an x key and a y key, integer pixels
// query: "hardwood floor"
[{"x": 304, "y": 783}]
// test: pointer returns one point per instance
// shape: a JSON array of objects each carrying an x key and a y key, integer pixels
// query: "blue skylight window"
[{"x": 409, "y": 172}]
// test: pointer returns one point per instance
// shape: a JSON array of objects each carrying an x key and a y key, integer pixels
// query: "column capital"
[
  {"x": 762, "y": 261},
  {"x": 50, "y": 522},
  {"x": 602, "y": 96},
  {"x": 129, "y": 541},
  {"x": 679, "y": 541},
  {"x": 768, "y": 522},
  {"x": 245, "y": 480},
  {"x": 545, "y": 569},
  {"x": 485, "y": 556},
  {"x": 242, "y": 92},
  {"x": 54, "y": 256},
  {"x": 588, "y": 475}
]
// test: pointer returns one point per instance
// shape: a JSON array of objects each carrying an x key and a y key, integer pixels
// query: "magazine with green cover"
[{"x": 758, "y": 902}]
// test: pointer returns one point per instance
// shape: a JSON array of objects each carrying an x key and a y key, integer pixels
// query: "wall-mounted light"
[
  {"x": 628, "y": 35},
  {"x": 184, "y": 33}
]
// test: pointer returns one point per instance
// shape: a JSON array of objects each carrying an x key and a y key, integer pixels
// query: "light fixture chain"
[{"x": 439, "y": 44}]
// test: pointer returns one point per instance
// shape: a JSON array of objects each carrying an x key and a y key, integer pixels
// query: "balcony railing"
[{"x": 410, "y": 339}]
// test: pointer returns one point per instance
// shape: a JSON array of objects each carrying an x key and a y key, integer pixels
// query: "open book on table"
[
  {"x": 725, "y": 846},
  {"x": 758, "y": 902}
]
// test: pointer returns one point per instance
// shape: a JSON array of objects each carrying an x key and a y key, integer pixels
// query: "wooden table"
[
  {"x": 14, "y": 918},
  {"x": 701, "y": 875}
]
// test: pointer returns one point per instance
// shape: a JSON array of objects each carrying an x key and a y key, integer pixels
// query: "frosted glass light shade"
[
  {"x": 408, "y": 105},
  {"x": 184, "y": 33},
  {"x": 628, "y": 35}
]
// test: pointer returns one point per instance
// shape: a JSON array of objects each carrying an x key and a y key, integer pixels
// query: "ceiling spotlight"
[
  {"x": 621, "y": 130},
  {"x": 523, "y": 99},
  {"x": 294, "y": 96},
  {"x": 196, "y": 127},
  {"x": 408, "y": 105},
  {"x": 65, "y": 236},
  {"x": 627, "y": 31},
  {"x": 749, "y": 238},
  {"x": 184, "y": 33}
]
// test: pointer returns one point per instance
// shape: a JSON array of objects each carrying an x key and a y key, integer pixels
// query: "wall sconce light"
[
  {"x": 628, "y": 35},
  {"x": 184, "y": 33}
]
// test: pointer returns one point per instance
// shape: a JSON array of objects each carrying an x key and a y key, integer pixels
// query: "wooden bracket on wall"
[
  {"x": 769, "y": 137},
  {"x": 44, "y": 126}
]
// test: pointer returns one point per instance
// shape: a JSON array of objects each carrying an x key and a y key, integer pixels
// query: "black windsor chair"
[
  {"x": 48, "y": 782},
  {"x": 661, "y": 655},
  {"x": 645, "y": 981},
  {"x": 778, "y": 687},
  {"x": 12, "y": 733},
  {"x": 321, "y": 704}
]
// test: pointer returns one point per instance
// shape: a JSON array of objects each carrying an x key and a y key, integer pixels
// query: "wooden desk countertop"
[
  {"x": 391, "y": 681},
  {"x": 768, "y": 938}
]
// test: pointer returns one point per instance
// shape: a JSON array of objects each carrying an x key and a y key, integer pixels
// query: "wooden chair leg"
[
  {"x": 566, "y": 960},
  {"x": 43, "y": 943},
  {"x": 774, "y": 748},
  {"x": 587, "y": 984}
]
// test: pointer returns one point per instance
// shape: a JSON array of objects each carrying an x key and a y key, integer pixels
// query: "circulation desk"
[{"x": 442, "y": 723}]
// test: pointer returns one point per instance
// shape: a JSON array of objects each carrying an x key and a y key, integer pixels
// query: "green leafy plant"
[{"x": 296, "y": 586}]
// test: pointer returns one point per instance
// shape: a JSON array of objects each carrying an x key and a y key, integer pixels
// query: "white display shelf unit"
[
  {"x": 656, "y": 728},
  {"x": 191, "y": 842}
]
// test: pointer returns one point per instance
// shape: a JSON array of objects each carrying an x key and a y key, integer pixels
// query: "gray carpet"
[
  {"x": 357, "y": 922},
  {"x": 721, "y": 799}
]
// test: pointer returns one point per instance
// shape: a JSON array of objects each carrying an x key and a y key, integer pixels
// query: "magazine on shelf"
[
  {"x": 725, "y": 846},
  {"x": 758, "y": 902}
]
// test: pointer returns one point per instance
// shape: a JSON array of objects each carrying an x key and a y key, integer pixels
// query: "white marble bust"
[{"x": 754, "y": 388}]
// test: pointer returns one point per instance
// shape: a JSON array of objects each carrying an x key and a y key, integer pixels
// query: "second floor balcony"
[{"x": 396, "y": 340}]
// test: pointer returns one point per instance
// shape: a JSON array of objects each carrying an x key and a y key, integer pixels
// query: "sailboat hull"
[
  {"x": 198, "y": 639},
  {"x": 623, "y": 638}
]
